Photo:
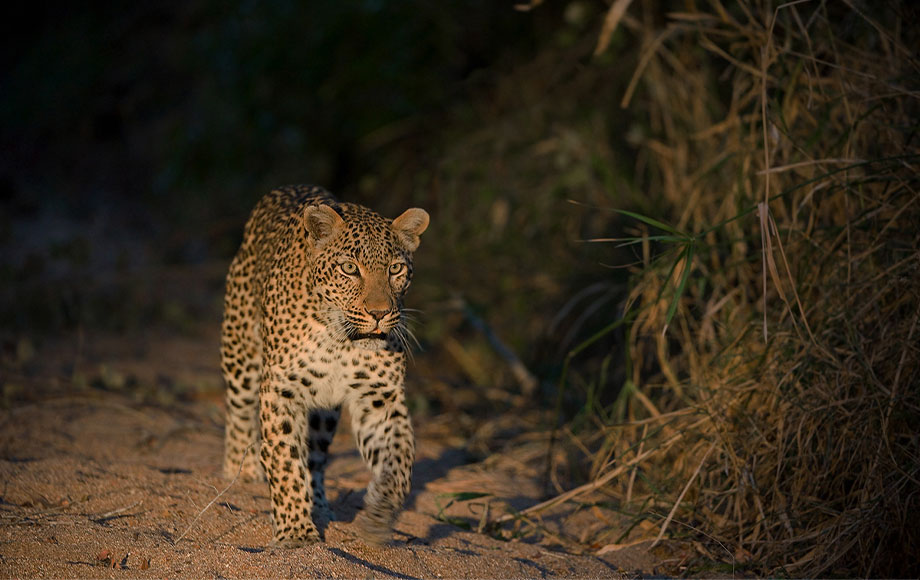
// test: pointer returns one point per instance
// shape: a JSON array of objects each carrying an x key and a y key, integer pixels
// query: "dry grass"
[{"x": 771, "y": 409}]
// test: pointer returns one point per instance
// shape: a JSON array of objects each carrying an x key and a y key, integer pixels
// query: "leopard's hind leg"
[
  {"x": 322, "y": 426},
  {"x": 241, "y": 363}
]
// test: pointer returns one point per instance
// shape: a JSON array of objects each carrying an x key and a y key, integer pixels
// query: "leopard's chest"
[{"x": 320, "y": 367}]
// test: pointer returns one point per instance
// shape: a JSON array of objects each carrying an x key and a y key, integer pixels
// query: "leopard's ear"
[
  {"x": 410, "y": 225},
  {"x": 322, "y": 223}
]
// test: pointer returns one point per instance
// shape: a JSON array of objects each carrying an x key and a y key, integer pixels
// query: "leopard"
[{"x": 314, "y": 321}]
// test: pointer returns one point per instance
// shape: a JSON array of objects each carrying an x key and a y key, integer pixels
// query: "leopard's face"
[
  {"x": 361, "y": 282},
  {"x": 360, "y": 270}
]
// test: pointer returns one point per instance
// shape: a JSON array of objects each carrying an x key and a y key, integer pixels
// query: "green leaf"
[
  {"x": 687, "y": 255},
  {"x": 464, "y": 496},
  {"x": 654, "y": 223},
  {"x": 456, "y": 497}
]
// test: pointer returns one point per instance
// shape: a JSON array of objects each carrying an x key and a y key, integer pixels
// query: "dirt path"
[{"x": 99, "y": 485}]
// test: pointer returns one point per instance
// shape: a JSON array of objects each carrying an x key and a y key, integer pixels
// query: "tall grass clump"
[{"x": 771, "y": 409}]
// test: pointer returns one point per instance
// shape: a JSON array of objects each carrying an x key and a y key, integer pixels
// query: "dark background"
[{"x": 136, "y": 138}]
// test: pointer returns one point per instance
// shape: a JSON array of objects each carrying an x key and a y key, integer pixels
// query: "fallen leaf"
[
  {"x": 742, "y": 556},
  {"x": 617, "y": 547},
  {"x": 107, "y": 558}
]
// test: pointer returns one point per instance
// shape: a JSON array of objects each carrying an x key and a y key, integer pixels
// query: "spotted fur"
[{"x": 313, "y": 321}]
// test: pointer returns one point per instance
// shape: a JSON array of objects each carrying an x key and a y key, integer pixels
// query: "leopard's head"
[{"x": 361, "y": 267}]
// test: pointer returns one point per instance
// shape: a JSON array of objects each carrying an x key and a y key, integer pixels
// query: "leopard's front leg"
[
  {"x": 383, "y": 431},
  {"x": 283, "y": 425}
]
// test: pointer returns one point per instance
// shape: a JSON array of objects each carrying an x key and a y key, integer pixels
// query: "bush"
[{"x": 771, "y": 402}]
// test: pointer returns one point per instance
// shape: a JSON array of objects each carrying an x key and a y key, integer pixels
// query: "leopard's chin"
[{"x": 369, "y": 340}]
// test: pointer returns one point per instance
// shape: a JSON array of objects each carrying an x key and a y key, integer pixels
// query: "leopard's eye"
[
  {"x": 349, "y": 268},
  {"x": 397, "y": 268}
]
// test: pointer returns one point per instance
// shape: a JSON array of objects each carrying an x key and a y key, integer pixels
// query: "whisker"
[
  {"x": 407, "y": 333},
  {"x": 408, "y": 317},
  {"x": 402, "y": 336},
  {"x": 338, "y": 327}
]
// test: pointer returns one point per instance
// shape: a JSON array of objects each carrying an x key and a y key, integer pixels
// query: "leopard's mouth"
[{"x": 368, "y": 335}]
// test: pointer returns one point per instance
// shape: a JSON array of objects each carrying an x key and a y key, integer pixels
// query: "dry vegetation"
[{"x": 769, "y": 412}]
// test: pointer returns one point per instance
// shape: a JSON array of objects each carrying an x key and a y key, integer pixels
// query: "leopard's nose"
[{"x": 378, "y": 314}]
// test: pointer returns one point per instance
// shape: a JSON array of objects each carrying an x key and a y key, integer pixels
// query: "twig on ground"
[
  {"x": 113, "y": 513},
  {"x": 588, "y": 487},
  {"x": 521, "y": 373},
  {"x": 217, "y": 497},
  {"x": 683, "y": 492}
]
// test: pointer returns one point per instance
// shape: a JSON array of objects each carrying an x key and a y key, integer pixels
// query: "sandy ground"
[{"x": 96, "y": 481}]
